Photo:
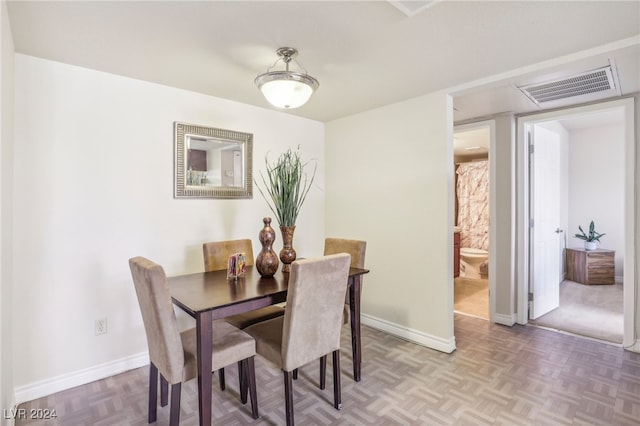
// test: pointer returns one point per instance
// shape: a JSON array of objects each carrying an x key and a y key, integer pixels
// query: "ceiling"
[
  {"x": 472, "y": 143},
  {"x": 365, "y": 54}
]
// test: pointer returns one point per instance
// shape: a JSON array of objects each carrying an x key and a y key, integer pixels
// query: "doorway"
[
  {"x": 472, "y": 175},
  {"x": 597, "y": 198}
]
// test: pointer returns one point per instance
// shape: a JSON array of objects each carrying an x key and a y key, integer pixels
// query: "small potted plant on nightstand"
[{"x": 591, "y": 239}]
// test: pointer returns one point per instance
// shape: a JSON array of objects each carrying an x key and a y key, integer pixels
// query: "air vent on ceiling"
[{"x": 600, "y": 82}]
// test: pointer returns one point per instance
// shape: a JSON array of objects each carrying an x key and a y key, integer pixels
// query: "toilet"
[{"x": 474, "y": 263}]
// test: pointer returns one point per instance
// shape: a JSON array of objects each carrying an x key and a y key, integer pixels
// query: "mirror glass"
[{"x": 212, "y": 163}]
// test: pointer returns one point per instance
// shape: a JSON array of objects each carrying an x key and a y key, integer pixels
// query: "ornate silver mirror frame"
[{"x": 212, "y": 163}]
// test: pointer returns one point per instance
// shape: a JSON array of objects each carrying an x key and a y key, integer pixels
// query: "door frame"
[{"x": 522, "y": 212}]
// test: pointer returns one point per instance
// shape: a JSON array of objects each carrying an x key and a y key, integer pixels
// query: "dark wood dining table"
[{"x": 208, "y": 296}]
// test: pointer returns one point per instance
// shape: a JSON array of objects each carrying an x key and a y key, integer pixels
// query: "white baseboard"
[
  {"x": 503, "y": 319},
  {"x": 635, "y": 347},
  {"x": 415, "y": 336},
  {"x": 62, "y": 382}
]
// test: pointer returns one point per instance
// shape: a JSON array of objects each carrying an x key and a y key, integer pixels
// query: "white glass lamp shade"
[{"x": 285, "y": 89}]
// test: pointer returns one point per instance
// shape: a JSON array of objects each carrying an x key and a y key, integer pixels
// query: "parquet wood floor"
[{"x": 497, "y": 376}]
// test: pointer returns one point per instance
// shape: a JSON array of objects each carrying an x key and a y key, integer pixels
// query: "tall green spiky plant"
[
  {"x": 591, "y": 236},
  {"x": 286, "y": 185}
]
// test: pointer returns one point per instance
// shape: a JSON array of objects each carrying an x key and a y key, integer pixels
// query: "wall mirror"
[{"x": 212, "y": 163}]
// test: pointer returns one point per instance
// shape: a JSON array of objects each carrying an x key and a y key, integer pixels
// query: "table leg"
[
  {"x": 355, "y": 289},
  {"x": 203, "y": 329}
]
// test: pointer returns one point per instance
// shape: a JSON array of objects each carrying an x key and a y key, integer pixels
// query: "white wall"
[
  {"x": 596, "y": 187},
  {"x": 390, "y": 182},
  {"x": 502, "y": 259},
  {"x": 94, "y": 187},
  {"x": 6, "y": 182}
]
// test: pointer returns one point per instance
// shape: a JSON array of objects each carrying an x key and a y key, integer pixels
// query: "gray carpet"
[{"x": 588, "y": 310}]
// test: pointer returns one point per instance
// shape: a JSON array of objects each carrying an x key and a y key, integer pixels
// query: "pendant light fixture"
[{"x": 286, "y": 89}]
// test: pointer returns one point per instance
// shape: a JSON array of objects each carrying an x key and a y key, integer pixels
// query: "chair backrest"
[
  {"x": 356, "y": 248},
  {"x": 216, "y": 254},
  {"x": 160, "y": 325},
  {"x": 313, "y": 315}
]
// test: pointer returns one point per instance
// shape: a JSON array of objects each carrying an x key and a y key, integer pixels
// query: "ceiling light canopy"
[{"x": 286, "y": 89}]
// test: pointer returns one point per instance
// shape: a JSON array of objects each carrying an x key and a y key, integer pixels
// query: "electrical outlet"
[{"x": 101, "y": 326}]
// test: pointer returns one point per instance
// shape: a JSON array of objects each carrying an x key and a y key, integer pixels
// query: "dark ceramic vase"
[
  {"x": 287, "y": 254},
  {"x": 267, "y": 260}
]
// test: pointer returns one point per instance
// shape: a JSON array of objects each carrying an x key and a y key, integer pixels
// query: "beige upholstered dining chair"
[
  {"x": 357, "y": 249},
  {"x": 216, "y": 254},
  {"x": 173, "y": 353},
  {"x": 310, "y": 327},
  {"x": 216, "y": 257}
]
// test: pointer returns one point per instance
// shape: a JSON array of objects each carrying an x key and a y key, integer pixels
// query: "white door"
[{"x": 545, "y": 234}]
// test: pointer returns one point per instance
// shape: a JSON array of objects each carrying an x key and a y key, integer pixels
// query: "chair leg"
[
  {"x": 174, "y": 416},
  {"x": 323, "y": 371},
  {"x": 223, "y": 386},
  {"x": 164, "y": 391},
  {"x": 153, "y": 393},
  {"x": 242, "y": 379},
  {"x": 337, "y": 391},
  {"x": 288, "y": 396},
  {"x": 295, "y": 374},
  {"x": 251, "y": 378}
]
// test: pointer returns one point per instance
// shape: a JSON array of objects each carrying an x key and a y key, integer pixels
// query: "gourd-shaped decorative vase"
[
  {"x": 287, "y": 254},
  {"x": 267, "y": 260}
]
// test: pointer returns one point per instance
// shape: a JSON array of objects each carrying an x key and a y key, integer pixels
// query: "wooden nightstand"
[{"x": 590, "y": 266}]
